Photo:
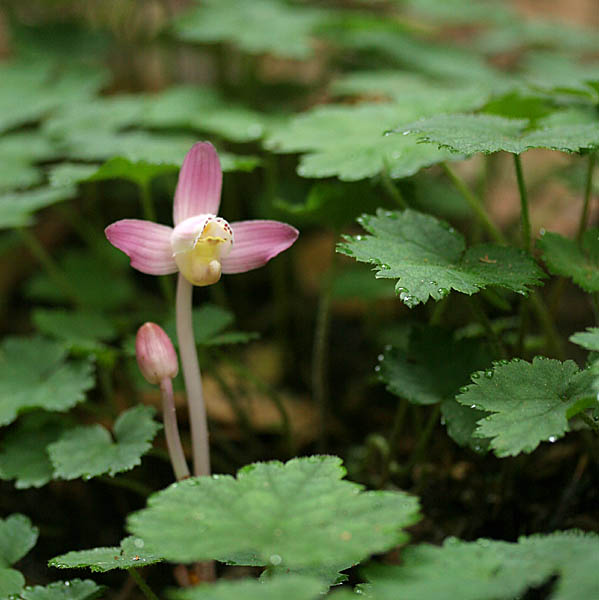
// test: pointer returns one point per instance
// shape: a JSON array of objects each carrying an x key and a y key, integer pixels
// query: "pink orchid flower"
[{"x": 201, "y": 245}]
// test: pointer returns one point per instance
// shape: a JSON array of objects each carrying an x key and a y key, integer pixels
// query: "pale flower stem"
[
  {"x": 193, "y": 379},
  {"x": 171, "y": 431}
]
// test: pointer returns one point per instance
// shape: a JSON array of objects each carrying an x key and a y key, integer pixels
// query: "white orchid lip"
[{"x": 199, "y": 244}]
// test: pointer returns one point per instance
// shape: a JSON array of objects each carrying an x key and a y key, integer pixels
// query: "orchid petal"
[
  {"x": 199, "y": 185},
  {"x": 255, "y": 243},
  {"x": 147, "y": 244}
]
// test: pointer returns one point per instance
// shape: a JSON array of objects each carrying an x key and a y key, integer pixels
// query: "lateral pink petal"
[
  {"x": 147, "y": 244},
  {"x": 199, "y": 185},
  {"x": 255, "y": 243}
]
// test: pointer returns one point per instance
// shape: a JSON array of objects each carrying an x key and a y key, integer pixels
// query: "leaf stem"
[
  {"x": 588, "y": 188},
  {"x": 143, "y": 586},
  {"x": 41, "y": 254},
  {"x": 393, "y": 190},
  {"x": 193, "y": 378},
  {"x": 524, "y": 212},
  {"x": 320, "y": 387},
  {"x": 474, "y": 204},
  {"x": 424, "y": 438},
  {"x": 171, "y": 430}
]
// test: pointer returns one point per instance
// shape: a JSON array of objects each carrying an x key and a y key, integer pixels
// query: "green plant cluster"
[{"x": 376, "y": 127}]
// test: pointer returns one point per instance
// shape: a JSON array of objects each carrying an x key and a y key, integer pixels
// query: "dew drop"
[
  {"x": 377, "y": 368},
  {"x": 475, "y": 375},
  {"x": 275, "y": 560},
  {"x": 406, "y": 132},
  {"x": 473, "y": 406},
  {"x": 489, "y": 374},
  {"x": 139, "y": 543},
  {"x": 463, "y": 389},
  {"x": 552, "y": 439},
  {"x": 380, "y": 357}
]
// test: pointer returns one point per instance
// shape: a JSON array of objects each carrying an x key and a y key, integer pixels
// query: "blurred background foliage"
[{"x": 99, "y": 102}]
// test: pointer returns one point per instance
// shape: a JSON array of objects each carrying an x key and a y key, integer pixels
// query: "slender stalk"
[
  {"x": 143, "y": 586},
  {"x": 171, "y": 431},
  {"x": 474, "y": 204},
  {"x": 320, "y": 387},
  {"x": 481, "y": 315},
  {"x": 524, "y": 212},
  {"x": 424, "y": 437},
  {"x": 41, "y": 254},
  {"x": 393, "y": 190},
  {"x": 588, "y": 188},
  {"x": 193, "y": 379},
  {"x": 537, "y": 303}
]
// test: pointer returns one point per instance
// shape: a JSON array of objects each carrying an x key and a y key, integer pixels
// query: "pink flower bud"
[{"x": 156, "y": 356}]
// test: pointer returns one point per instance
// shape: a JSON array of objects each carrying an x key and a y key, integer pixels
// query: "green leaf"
[
  {"x": 99, "y": 116},
  {"x": 558, "y": 72},
  {"x": 203, "y": 109},
  {"x": 433, "y": 367},
  {"x": 441, "y": 61},
  {"x": 588, "y": 339},
  {"x": 290, "y": 587},
  {"x": 34, "y": 374},
  {"x": 567, "y": 258},
  {"x": 429, "y": 258},
  {"x": 519, "y": 32},
  {"x": 135, "y": 146},
  {"x": 209, "y": 325},
  {"x": 292, "y": 515},
  {"x": 460, "y": 12},
  {"x": 46, "y": 85},
  {"x": 17, "y": 537},
  {"x": 79, "y": 329},
  {"x": 89, "y": 451},
  {"x": 130, "y": 554},
  {"x": 461, "y": 422},
  {"x": 469, "y": 134},
  {"x": 88, "y": 273},
  {"x": 76, "y": 589},
  {"x": 18, "y": 153},
  {"x": 24, "y": 456},
  {"x": 349, "y": 142},
  {"x": 334, "y": 203},
  {"x": 530, "y": 402},
  {"x": 491, "y": 570},
  {"x": 410, "y": 89},
  {"x": 17, "y": 208},
  {"x": 262, "y": 26}
]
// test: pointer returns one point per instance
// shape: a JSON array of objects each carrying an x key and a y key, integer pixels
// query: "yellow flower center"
[{"x": 200, "y": 263}]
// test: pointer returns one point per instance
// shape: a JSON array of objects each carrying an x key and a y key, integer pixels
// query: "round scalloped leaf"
[
  {"x": 492, "y": 570},
  {"x": 292, "y": 515},
  {"x": 34, "y": 374},
  {"x": 530, "y": 402},
  {"x": 430, "y": 258},
  {"x": 89, "y": 450},
  {"x": 76, "y": 589},
  {"x": 130, "y": 554}
]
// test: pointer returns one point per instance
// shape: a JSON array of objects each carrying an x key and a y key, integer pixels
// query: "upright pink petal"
[
  {"x": 255, "y": 243},
  {"x": 199, "y": 185},
  {"x": 147, "y": 244}
]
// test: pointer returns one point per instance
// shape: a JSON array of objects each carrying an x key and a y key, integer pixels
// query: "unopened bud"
[{"x": 156, "y": 356}]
